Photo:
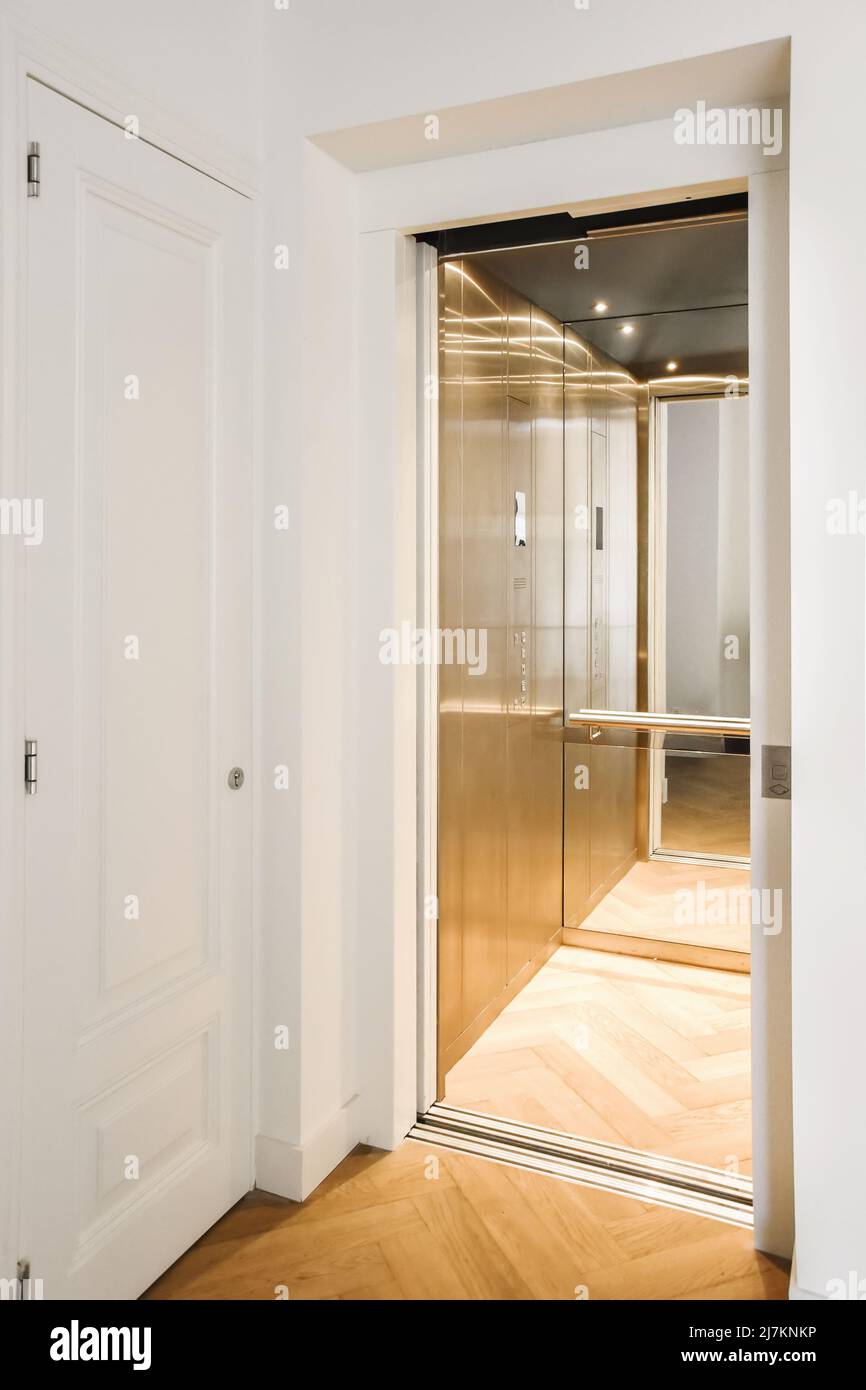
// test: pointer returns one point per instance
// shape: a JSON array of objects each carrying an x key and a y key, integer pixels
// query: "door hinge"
[
  {"x": 30, "y": 765},
  {"x": 33, "y": 175}
]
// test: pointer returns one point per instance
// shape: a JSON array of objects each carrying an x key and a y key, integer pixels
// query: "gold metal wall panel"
[
  {"x": 577, "y": 527},
  {"x": 484, "y": 611},
  {"x": 547, "y": 628},
  {"x": 519, "y": 348},
  {"x": 578, "y": 802},
  {"x": 576, "y": 580},
  {"x": 519, "y": 935},
  {"x": 451, "y": 816},
  {"x": 598, "y": 570},
  {"x": 613, "y": 844},
  {"x": 500, "y": 793},
  {"x": 602, "y": 588},
  {"x": 643, "y": 524},
  {"x": 642, "y": 791},
  {"x": 614, "y": 771},
  {"x": 520, "y": 638},
  {"x": 622, "y": 549}
]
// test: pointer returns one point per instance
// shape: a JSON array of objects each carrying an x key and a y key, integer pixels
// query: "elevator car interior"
[{"x": 595, "y": 909}]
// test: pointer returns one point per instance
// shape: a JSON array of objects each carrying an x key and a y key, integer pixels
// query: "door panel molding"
[
  {"x": 35, "y": 56},
  {"x": 136, "y": 1119}
]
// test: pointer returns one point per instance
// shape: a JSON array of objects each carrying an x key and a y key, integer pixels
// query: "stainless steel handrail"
[{"x": 662, "y": 723}]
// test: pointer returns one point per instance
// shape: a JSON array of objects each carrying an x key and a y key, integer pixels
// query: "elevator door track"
[{"x": 648, "y": 1177}]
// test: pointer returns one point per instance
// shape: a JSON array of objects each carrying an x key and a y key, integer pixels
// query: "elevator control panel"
[
  {"x": 597, "y": 644},
  {"x": 776, "y": 772},
  {"x": 520, "y": 642}
]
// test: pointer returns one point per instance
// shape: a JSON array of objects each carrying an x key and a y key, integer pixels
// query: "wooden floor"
[
  {"x": 645, "y": 902},
  {"x": 614, "y": 1047},
  {"x": 422, "y": 1223},
  {"x": 707, "y": 810},
  {"x": 605, "y": 1046}
]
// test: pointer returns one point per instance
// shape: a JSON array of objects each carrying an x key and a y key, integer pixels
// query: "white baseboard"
[{"x": 295, "y": 1170}]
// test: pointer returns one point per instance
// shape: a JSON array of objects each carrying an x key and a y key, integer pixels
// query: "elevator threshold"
[{"x": 648, "y": 1177}]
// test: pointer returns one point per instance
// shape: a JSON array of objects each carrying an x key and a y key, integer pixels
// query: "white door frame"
[
  {"x": 428, "y": 682},
  {"x": 25, "y": 54},
  {"x": 423, "y": 200}
]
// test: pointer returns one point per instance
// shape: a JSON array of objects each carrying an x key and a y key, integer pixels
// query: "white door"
[{"x": 136, "y": 1125}]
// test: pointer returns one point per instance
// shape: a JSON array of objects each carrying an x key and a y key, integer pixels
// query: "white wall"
[
  {"x": 828, "y": 671},
  {"x": 386, "y": 736},
  {"x": 311, "y": 860},
  {"x": 383, "y": 58}
]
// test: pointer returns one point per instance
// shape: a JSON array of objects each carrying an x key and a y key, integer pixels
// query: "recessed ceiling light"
[
  {"x": 600, "y": 307},
  {"x": 627, "y": 328},
  {"x": 672, "y": 366}
]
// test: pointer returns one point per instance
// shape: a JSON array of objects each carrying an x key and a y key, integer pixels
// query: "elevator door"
[{"x": 136, "y": 1123}]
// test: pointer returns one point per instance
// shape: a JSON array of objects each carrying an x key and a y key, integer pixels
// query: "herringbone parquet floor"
[
  {"x": 717, "y": 911},
  {"x": 613, "y": 1047},
  {"x": 425, "y": 1224}
]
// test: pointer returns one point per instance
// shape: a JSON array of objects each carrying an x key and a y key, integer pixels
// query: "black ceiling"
[{"x": 684, "y": 290}]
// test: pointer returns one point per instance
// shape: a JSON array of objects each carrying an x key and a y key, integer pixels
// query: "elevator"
[
  {"x": 593, "y": 772},
  {"x": 539, "y": 526}
]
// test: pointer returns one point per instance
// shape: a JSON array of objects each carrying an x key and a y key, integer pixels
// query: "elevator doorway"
[{"x": 594, "y": 898}]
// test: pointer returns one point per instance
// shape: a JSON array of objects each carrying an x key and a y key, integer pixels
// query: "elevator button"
[{"x": 776, "y": 772}]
